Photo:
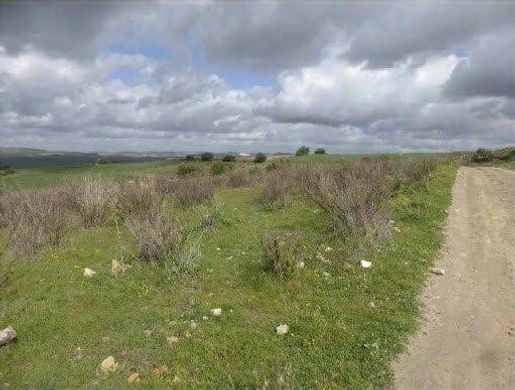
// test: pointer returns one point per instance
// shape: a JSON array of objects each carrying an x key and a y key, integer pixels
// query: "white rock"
[
  {"x": 281, "y": 329},
  {"x": 365, "y": 264},
  {"x": 193, "y": 324},
  {"x": 217, "y": 311},
  {"x": 328, "y": 249},
  {"x": 108, "y": 365},
  {"x": 88, "y": 272},
  {"x": 301, "y": 264},
  {"x": 397, "y": 229},
  {"x": 437, "y": 271}
]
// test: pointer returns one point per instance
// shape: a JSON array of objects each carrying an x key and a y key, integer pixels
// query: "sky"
[{"x": 257, "y": 76}]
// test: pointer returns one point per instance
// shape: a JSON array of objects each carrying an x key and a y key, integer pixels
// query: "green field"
[{"x": 346, "y": 324}]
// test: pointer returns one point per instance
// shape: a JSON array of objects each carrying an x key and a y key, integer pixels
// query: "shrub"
[
  {"x": 193, "y": 190},
  {"x": 277, "y": 185},
  {"x": 207, "y": 156},
  {"x": 34, "y": 219},
  {"x": 239, "y": 178},
  {"x": 217, "y": 168},
  {"x": 139, "y": 197},
  {"x": 188, "y": 169},
  {"x": 93, "y": 200},
  {"x": 260, "y": 158},
  {"x": 302, "y": 151},
  {"x": 483, "y": 155},
  {"x": 229, "y": 158},
  {"x": 277, "y": 164},
  {"x": 280, "y": 253},
  {"x": 164, "y": 242},
  {"x": 320, "y": 151}
]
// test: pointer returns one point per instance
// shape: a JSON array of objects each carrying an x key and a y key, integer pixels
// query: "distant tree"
[
  {"x": 207, "y": 156},
  {"x": 229, "y": 158},
  {"x": 191, "y": 157},
  {"x": 320, "y": 151},
  {"x": 483, "y": 155},
  {"x": 260, "y": 158},
  {"x": 302, "y": 151}
]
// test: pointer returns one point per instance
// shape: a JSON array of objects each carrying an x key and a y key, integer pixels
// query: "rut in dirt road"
[{"x": 468, "y": 338}]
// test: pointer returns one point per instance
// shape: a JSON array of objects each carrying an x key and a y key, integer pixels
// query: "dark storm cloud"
[
  {"x": 426, "y": 28},
  {"x": 57, "y": 28},
  {"x": 489, "y": 71}
]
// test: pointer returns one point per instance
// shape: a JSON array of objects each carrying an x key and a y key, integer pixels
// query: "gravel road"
[{"x": 467, "y": 340}]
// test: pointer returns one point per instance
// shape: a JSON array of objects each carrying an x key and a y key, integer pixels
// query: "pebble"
[
  {"x": 108, "y": 365},
  {"x": 133, "y": 378},
  {"x": 437, "y": 271},
  {"x": 365, "y": 264},
  {"x": 282, "y": 329},
  {"x": 88, "y": 272}
]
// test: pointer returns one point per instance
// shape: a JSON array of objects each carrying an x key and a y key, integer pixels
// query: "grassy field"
[{"x": 346, "y": 324}]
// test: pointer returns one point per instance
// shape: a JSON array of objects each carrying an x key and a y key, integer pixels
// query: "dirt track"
[{"x": 468, "y": 338}]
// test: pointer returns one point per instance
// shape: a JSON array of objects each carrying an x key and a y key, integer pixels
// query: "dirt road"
[{"x": 468, "y": 338}]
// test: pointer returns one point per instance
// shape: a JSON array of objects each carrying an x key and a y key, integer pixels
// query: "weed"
[{"x": 280, "y": 253}]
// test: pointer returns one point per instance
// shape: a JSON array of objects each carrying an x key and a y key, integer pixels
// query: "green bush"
[
  {"x": 188, "y": 169},
  {"x": 302, "y": 151},
  {"x": 320, "y": 151},
  {"x": 207, "y": 156},
  {"x": 260, "y": 158},
  {"x": 229, "y": 158},
  {"x": 280, "y": 253},
  {"x": 217, "y": 168},
  {"x": 483, "y": 155},
  {"x": 277, "y": 164}
]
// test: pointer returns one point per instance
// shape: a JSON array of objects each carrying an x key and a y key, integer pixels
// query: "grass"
[{"x": 336, "y": 339}]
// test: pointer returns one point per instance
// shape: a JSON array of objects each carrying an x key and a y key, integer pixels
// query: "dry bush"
[
  {"x": 277, "y": 185},
  {"x": 139, "y": 197},
  {"x": 414, "y": 169},
  {"x": 93, "y": 200},
  {"x": 240, "y": 178},
  {"x": 194, "y": 190},
  {"x": 280, "y": 253},
  {"x": 163, "y": 241},
  {"x": 33, "y": 219},
  {"x": 353, "y": 194},
  {"x": 356, "y": 194}
]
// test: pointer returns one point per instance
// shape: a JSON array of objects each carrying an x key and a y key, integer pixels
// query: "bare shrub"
[
  {"x": 356, "y": 194},
  {"x": 93, "y": 200},
  {"x": 33, "y": 219},
  {"x": 193, "y": 190},
  {"x": 280, "y": 253},
  {"x": 163, "y": 241},
  {"x": 277, "y": 185},
  {"x": 240, "y": 178},
  {"x": 139, "y": 197}
]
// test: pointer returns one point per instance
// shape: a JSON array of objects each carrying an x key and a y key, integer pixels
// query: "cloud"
[
  {"x": 488, "y": 71},
  {"x": 346, "y": 76}
]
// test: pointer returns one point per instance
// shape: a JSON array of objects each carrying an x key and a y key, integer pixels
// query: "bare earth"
[{"x": 468, "y": 339}]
